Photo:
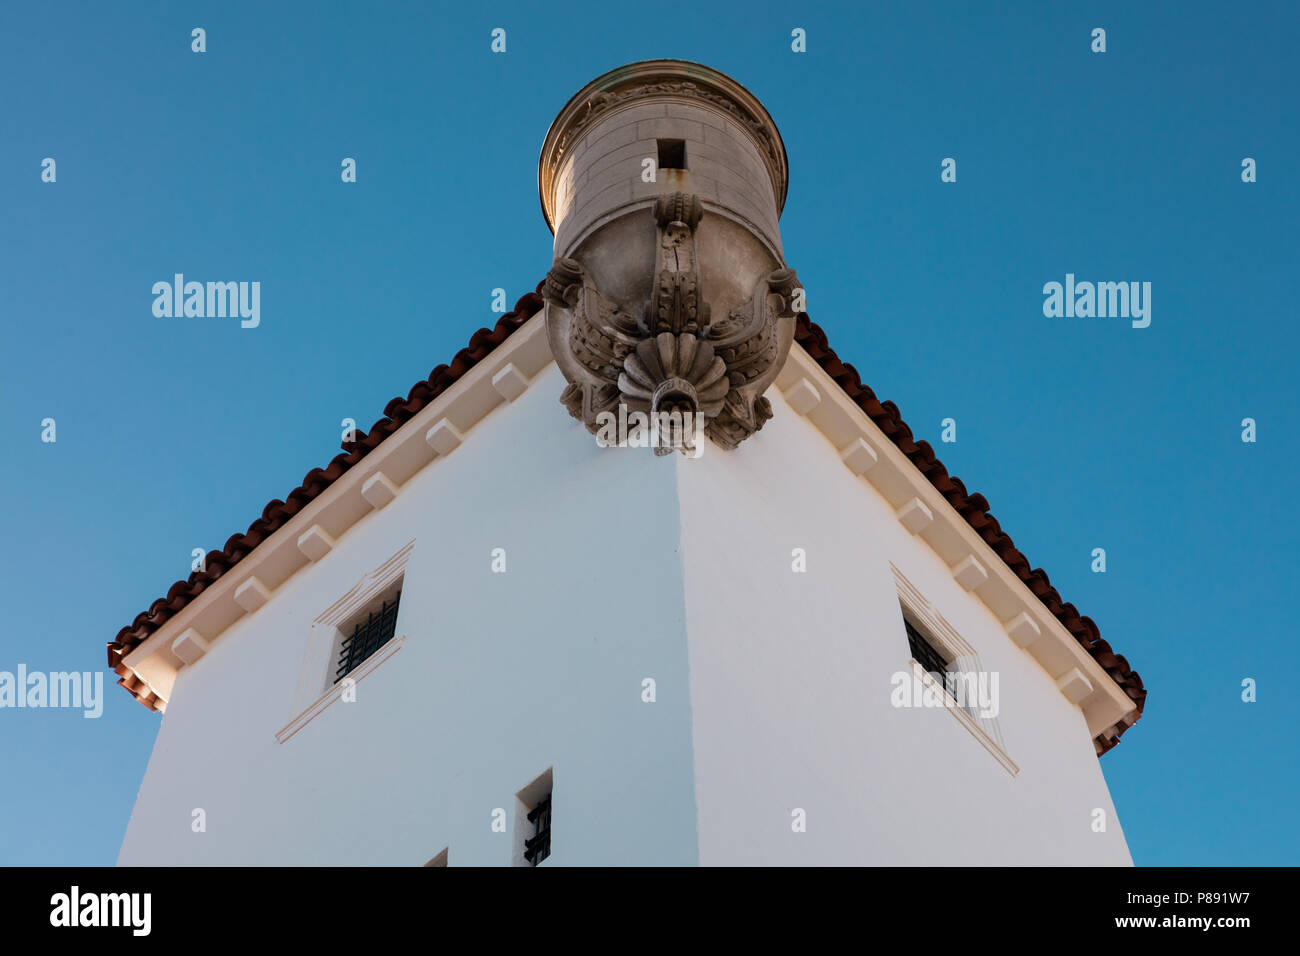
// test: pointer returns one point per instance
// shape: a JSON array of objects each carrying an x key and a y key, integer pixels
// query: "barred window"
[
  {"x": 925, "y": 653},
  {"x": 367, "y": 637},
  {"x": 538, "y": 847}
]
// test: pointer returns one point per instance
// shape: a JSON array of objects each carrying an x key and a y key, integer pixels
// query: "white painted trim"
[
  {"x": 1074, "y": 685},
  {"x": 317, "y": 706},
  {"x": 522, "y": 356},
  {"x": 378, "y": 490},
  {"x": 252, "y": 594},
  {"x": 321, "y": 651},
  {"x": 928, "y": 616},
  {"x": 859, "y": 456},
  {"x": 510, "y": 383},
  {"x": 316, "y": 542},
  {"x": 925, "y": 512},
  {"x": 966, "y": 720},
  {"x": 401, "y": 456},
  {"x": 190, "y": 646},
  {"x": 1023, "y": 630},
  {"x": 444, "y": 438},
  {"x": 962, "y": 652},
  {"x": 803, "y": 396},
  {"x": 915, "y": 516},
  {"x": 969, "y": 573}
]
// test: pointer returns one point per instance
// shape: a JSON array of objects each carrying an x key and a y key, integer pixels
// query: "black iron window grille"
[
  {"x": 538, "y": 847},
  {"x": 931, "y": 661},
  {"x": 369, "y": 636}
]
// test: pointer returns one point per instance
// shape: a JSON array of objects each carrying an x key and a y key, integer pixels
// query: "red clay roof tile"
[{"x": 972, "y": 506}]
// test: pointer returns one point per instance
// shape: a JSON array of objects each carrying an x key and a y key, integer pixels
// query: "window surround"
[
  {"x": 521, "y": 359},
  {"x": 934, "y": 627},
  {"x": 526, "y": 800},
  {"x": 316, "y": 688}
]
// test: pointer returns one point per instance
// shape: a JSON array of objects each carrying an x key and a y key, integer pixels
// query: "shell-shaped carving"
[{"x": 685, "y": 357}]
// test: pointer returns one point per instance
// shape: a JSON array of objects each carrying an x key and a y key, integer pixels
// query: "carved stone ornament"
[{"x": 668, "y": 356}]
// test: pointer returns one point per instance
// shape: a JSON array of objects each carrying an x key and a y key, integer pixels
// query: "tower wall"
[
  {"x": 598, "y": 202},
  {"x": 664, "y": 182},
  {"x": 601, "y": 177},
  {"x": 791, "y": 694},
  {"x": 500, "y": 676},
  {"x": 773, "y": 687}
]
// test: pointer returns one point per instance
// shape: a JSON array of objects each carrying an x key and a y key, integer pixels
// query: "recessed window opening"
[
  {"x": 672, "y": 154},
  {"x": 367, "y": 634},
  {"x": 532, "y": 836},
  {"x": 931, "y": 659},
  {"x": 538, "y": 846}
]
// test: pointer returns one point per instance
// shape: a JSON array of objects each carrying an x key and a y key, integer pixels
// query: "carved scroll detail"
[{"x": 673, "y": 359}]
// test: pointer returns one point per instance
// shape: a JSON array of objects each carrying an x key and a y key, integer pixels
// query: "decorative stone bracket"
[{"x": 668, "y": 359}]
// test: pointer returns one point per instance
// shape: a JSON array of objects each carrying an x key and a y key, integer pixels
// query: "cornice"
[
  {"x": 310, "y": 535},
  {"x": 920, "y": 508}
]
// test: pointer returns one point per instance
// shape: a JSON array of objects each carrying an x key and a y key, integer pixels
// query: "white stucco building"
[{"x": 694, "y": 656}]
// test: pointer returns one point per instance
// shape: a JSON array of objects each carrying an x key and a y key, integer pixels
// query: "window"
[
  {"x": 672, "y": 154},
  {"x": 334, "y": 653},
  {"x": 930, "y": 659},
  {"x": 532, "y": 831},
  {"x": 368, "y": 635},
  {"x": 969, "y": 690},
  {"x": 538, "y": 847}
]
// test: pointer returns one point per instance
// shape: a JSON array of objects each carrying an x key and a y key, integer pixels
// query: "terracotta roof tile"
[
  {"x": 975, "y": 509},
  {"x": 277, "y": 513},
  {"x": 971, "y": 506}
]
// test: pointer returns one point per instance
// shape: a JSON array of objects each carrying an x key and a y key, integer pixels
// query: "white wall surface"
[
  {"x": 790, "y": 684},
  {"x": 773, "y": 687},
  {"x": 500, "y": 676}
]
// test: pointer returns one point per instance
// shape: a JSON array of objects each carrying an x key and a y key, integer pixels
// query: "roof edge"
[
  {"x": 973, "y": 507},
  {"x": 278, "y": 512}
]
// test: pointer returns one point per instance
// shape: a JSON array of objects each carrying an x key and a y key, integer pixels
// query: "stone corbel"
[{"x": 672, "y": 360}]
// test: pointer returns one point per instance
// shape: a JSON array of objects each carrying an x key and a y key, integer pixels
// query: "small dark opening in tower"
[{"x": 672, "y": 154}]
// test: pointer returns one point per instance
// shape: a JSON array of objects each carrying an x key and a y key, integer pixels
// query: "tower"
[
  {"x": 790, "y": 637},
  {"x": 689, "y": 308}
]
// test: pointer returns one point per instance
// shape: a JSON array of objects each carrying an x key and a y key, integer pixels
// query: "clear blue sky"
[{"x": 173, "y": 434}]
